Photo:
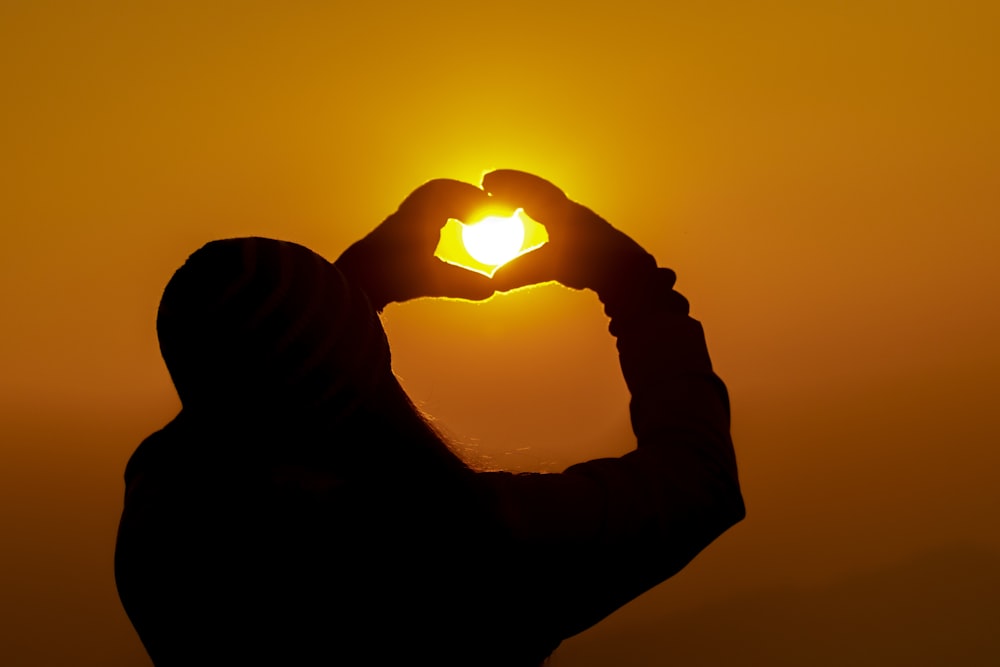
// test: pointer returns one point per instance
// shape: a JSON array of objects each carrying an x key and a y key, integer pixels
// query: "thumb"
[
  {"x": 447, "y": 280},
  {"x": 545, "y": 264}
]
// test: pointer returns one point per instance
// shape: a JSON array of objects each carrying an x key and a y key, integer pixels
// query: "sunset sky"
[{"x": 824, "y": 177}]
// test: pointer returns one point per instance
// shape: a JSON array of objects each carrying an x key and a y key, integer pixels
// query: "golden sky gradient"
[{"x": 823, "y": 176}]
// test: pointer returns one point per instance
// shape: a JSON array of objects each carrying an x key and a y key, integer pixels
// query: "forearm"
[{"x": 679, "y": 406}]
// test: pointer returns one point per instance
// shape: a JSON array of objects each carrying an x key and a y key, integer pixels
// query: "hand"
[
  {"x": 396, "y": 262},
  {"x": 583, "y": 251}
]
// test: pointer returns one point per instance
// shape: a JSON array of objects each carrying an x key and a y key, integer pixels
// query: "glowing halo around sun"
[{"x": 488, "y": 243}]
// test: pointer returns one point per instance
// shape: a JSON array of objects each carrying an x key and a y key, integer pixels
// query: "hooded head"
[{"x": 261, "y": 330}]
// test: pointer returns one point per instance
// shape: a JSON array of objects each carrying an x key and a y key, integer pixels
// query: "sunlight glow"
[
  {"x": 490, "y": 242},
  {"x": 494, "y": 240}
]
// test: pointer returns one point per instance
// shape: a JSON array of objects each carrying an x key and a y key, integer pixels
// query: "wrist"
[
  {"x": 643, "y": 293},
  {"x": 627, "y": 275}
]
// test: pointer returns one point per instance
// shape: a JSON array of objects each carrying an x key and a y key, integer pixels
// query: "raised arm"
[{"x": 607, "y": 530}]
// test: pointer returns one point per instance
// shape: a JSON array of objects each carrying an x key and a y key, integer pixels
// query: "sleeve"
[{"x": 604, "y": 531}]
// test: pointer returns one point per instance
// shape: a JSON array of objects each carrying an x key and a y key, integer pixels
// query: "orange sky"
[{"x": 822, "y": 176}]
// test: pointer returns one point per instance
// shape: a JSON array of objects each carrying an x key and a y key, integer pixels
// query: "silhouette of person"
[{"x": 299, "y": 510}]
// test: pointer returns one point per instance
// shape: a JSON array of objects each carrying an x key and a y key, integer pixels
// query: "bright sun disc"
[{"x": 494, "y": 240}]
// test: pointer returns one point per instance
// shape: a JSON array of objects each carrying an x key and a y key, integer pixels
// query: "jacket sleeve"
[{"x": 604, "y": 531}]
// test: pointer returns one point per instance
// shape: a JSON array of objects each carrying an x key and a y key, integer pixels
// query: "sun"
[
  {"x": 490, "y": 242},
  {"x": 495, "y": 240}
]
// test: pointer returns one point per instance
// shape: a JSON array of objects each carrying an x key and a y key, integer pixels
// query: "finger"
[
  {"x": 436, "y": 201},
  {"x": 448, "y": 280},
  {"x": 538, "y": 266},
  {"x": 539, "y": 198}
]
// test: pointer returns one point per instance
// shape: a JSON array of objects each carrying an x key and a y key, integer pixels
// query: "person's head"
[{"x": 264, "y": 331}]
